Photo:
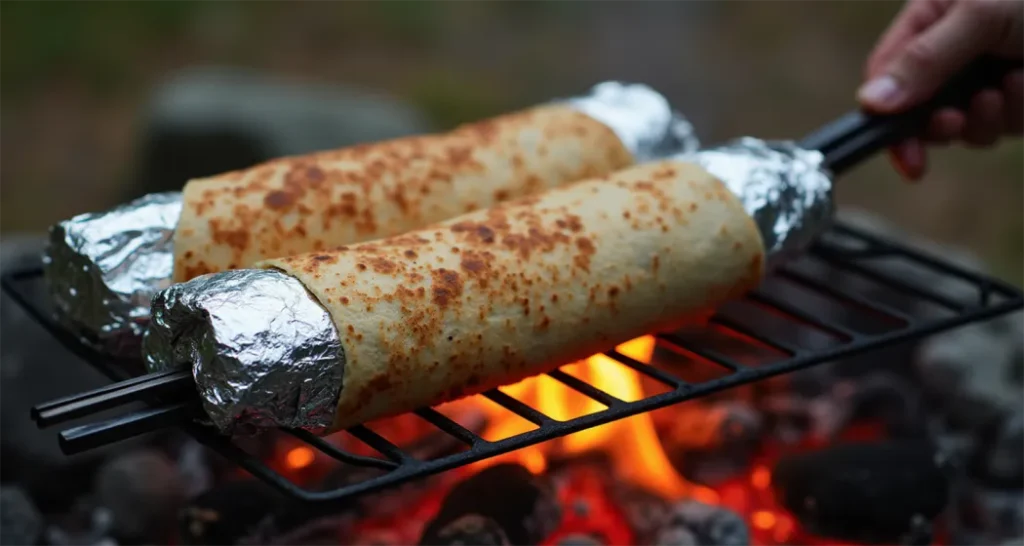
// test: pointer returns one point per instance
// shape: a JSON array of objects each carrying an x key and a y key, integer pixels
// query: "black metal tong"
[{"x": 858, "y": 135}]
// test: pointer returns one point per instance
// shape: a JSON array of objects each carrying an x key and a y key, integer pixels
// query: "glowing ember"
[
  {"x": 630, "y": 446},
  {"x": 299, "y": 457}
]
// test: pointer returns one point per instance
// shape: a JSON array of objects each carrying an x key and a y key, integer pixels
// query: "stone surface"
[
  {"x": 208, "y": 120},
  {"x": 706, "y": 524},
  {"x": 864, "y": 492},
  {"x": 998, "y": 458},
  {"x": 143, "y": 492},
  {"x": 20, "y": 522},
  {"x": 579, "y": 540}
]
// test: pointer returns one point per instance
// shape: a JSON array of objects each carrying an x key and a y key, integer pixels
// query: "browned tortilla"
[
  {"x": 491, "y": 297},
  {"x": 323, "y": 200}
]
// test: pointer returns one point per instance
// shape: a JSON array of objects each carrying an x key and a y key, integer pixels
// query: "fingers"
[
  {"x": 946, "y": 126},
  {"x": 1013, "y": 92},
  {"x": 914, "y": 18},
  {"x": 928, "y": 59},
  {"x": 985, "y": 118},
  {"x": 909, "y": 159}
]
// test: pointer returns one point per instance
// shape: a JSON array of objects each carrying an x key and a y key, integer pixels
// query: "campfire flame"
[
  {"x": 632, "y": 444},
  {"x": 632, "y": 447}
]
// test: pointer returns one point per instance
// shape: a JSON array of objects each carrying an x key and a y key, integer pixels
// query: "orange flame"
[
  {"x": 632, "y": 444},
  {"x": 299, "y": 457}
]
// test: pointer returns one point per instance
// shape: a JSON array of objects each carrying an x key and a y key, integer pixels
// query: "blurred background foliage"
[{"x": 76, "y": 78}]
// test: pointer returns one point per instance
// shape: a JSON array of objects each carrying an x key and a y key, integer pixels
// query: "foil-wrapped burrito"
[
  {"x": 330, "y": 339},
  {"x": 103, "y": 269}
]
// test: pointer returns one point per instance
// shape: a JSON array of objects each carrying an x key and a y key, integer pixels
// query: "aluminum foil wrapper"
[
  {"x": 783, "y": 187},
  {"x": 263, "y": 351},
  {"x": 102, "y": 269},
  {"x": 641, "y": 117}
]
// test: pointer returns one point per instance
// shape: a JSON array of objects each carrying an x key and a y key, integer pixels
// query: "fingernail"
[{"x": 881, "y": 92}]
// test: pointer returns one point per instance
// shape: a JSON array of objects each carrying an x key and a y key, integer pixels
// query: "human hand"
[{"x": 929, "y": 42}]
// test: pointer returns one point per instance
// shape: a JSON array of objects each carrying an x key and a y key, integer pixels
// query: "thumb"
[{"x": 932, "y": 57}]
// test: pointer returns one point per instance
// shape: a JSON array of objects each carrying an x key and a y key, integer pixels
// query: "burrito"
[
  {"x": 331, "y": 339},
  {"x": 103, "y": 269}
]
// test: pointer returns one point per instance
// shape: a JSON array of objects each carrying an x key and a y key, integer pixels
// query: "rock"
[
  {"x": 578, "y": 539},
  {"x": 142, "y": 490},
  {"x": 998, "y": 459},
  {"x": 20, "y": 521},
  {"x": 245, "y": 511},
  {"x": 692, "y": 522},
  {"x": 864, "y": 492},
  {"x": 988, "y": 516},
  {"x": 970, "y": 370},
  {"x": 469, "y": 530},
  {"x": 208, "y": 120},
  {"x": 676, "y": 536},
  {"x": 526, "y": 510}
]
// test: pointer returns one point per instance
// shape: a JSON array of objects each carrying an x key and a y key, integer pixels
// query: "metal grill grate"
[{"x": 805, "y": 314}]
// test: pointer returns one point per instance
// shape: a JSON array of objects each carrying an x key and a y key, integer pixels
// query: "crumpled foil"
[
  {"x": 262, "y": 350},
  {"x": 784, "y": 188},
  {"x": 102, "y": 269},
  {"x": 641, "y": 117}
]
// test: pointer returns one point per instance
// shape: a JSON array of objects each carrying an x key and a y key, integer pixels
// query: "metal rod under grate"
[{"x": 765, "y": 320}]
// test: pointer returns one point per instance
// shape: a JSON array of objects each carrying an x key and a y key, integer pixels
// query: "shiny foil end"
[
  {"x": 102, "y": 269},
  {"x": 262, "y": 350},
  {"x": 641, "y": 117},
  {"x": 784, "y": 188}
]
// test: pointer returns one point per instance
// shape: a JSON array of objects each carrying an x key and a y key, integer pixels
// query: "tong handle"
[{"x": 858, "y": 134}]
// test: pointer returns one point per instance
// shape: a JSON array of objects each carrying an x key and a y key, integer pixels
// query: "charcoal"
[
  {"x": 998, "y": 458},
  {"x": 522, "y": 505},
  {"x": 676, "y": 536},
  {"x": 866, "y": 492},
  {"x": 890, "y": 399},
  {"x": 143, "y": 492},
  {"x": 20, "y": 521},
  {"x": 579, "y": 539},
  {"x": 236, "y": 512},
  {"x": 969, "y": 372},
  {"x": 692, "y": 522},
  {"x": 469, "y": 530},
  {"x": 645, "y": 511},
  {"x": 988, "y": 516}
]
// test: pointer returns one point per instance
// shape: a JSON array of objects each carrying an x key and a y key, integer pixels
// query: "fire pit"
[{"x": 811, "y": 411}]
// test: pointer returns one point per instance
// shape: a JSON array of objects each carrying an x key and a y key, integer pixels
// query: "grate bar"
[
  {"x": 736, "y": 324},
  {"x": 339, "y": 454},
  {"x": 517, "y": 407},
  {"x": 875, "y": 307},
  {"x": 889, "y": 281},
  {"x": 449, "y": 426},
  {"x": 585, "y": 388},
  {"x": 835, "y": 330},
  {"x": 680, "y": 342},
  {"x": 648, "y": 370},
  {"x": 381, "y": 444},
  {"x": 932, "y": 262}
]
